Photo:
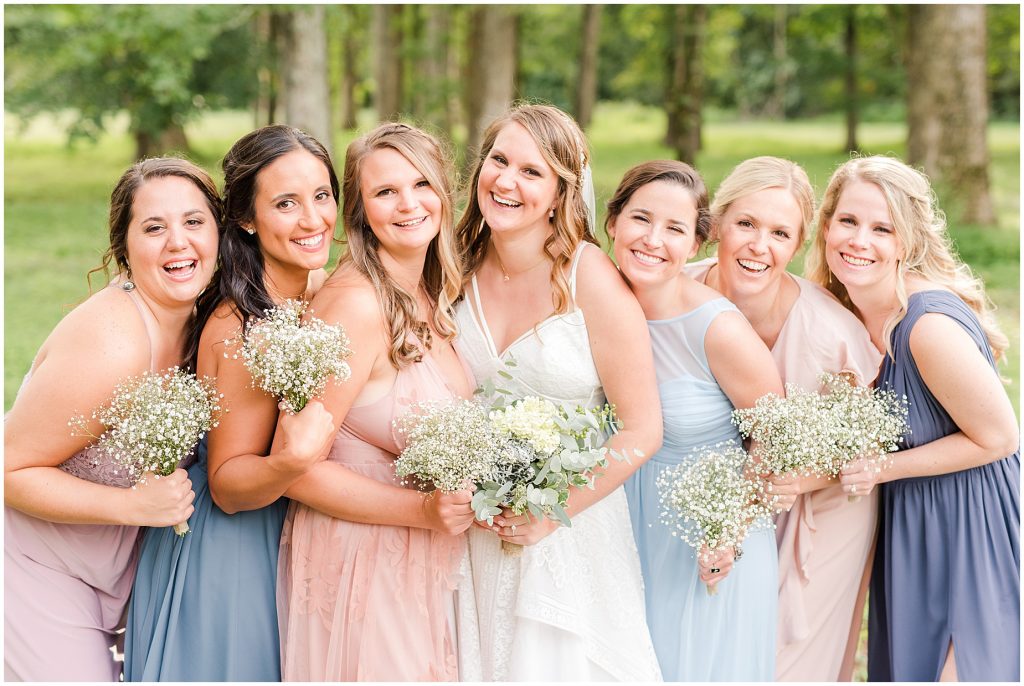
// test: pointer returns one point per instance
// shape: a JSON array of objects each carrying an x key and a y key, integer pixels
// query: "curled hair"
[
  {"x": 762, "y": 173},
  {"x": 670, "y": 171},
  {"x": 442, "y": 271},
  {"x": 564, "y": 148},
  {"x": 240, "y": 279},
  {"x": 920, "y": 228}
]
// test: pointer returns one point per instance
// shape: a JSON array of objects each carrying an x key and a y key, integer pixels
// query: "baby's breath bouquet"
[
  {"x": 292, "y": 359},
  {"x": 153, "y": 422},
  {"x": 867, "y": 423},
  {"x": 712, "y": 500}
]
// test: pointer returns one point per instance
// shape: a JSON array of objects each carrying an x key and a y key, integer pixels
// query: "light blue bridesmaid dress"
[
  {"x": 729, "y": 636},
  {"x": 204, "y": 606}
]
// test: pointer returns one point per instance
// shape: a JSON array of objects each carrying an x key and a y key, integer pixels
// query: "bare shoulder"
[
  {"x": 937, "y": 339},
  {"x": 598, "y": 280},
  {"x": 222, "y": 330},
  {"x": 317, "y": 277},
  {"x": 347, "y": 297},
  {"x": 106, "y": 333}
]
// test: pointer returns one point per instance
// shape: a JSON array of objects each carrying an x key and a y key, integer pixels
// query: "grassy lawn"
[{"x": 55, "y": 201}]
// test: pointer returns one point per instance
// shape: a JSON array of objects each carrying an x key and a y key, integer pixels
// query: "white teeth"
[
  {"x": 505, "y": 202},
  {"x": 411, "y": 222},
  {"x": 179, "y": 265},
  {"x": 753, "y": 266},
  {"x": 647, "y": 259},
  {"x": 311, "y": 241},
  {"x": 855, "y": 261}
]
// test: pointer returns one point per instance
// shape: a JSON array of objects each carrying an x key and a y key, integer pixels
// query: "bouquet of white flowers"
[
  {"x": 712, "y": 500},
  {"x": 153, "y": 422},
  {"x": 291, "y": 359}
]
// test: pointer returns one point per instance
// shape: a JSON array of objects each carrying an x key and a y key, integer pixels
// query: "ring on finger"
[
  {"x": 513, "y": 529},
  {"x": 853, "y": 488},
  {"x": 714, "y": 570}
]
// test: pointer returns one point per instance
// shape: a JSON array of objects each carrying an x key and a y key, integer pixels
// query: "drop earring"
[{"x": 128, "y": 284}]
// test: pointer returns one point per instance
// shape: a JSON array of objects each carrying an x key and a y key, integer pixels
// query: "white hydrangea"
[{"x": 533, "y": 420}]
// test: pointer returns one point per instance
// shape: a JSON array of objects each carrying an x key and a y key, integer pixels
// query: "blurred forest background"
[{"x": 91, "y": 88}]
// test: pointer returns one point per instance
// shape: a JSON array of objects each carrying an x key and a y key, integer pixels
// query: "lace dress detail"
[{"x": 572, "y": 606}]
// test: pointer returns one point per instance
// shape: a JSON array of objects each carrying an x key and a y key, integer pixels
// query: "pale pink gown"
[
  {"x": 367, "y": 602},
  {"x": 825, "y": 541}
]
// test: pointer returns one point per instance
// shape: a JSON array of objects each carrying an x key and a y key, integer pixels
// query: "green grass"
[{"x": 55, "y": 200}]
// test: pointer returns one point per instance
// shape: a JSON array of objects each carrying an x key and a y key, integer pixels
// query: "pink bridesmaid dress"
[
  {"x": 368, "y": 602},
  {"x": 825, "y": 541}
]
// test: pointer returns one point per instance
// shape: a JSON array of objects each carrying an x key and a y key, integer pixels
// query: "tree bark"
[
  {"x": 492, "y": 67},
  {"x": 170, "y": 140},
  {"x": 304, "y": 91},
  {"x": 586, "y": 93},
  {"x": 263, "y": 107},
  {"x": 350, "y": 48},
  {"x": 685, "y": 93},
  {"x": 436, "y": 86},
  {"x": 852, "y": 96},
  {"x": 388, "y": 60},
  {"x": 947, "y": 103}
]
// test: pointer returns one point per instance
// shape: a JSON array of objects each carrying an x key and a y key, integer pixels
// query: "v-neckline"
[{"x": 480, "y": 319}]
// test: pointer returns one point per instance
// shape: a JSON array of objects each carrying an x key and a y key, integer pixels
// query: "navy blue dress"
[
  {"x": 947, "y": 562},
  {"x": 204, "y": 606}
]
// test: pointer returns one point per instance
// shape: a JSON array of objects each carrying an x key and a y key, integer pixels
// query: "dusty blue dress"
[
  {"x": 204, "y": 606},
  {"x": 947, "y": 562},
  {"x": 697, "y": 637}
]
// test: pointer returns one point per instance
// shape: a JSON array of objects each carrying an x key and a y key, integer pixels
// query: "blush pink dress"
[
  {"x": 368, "y": 602},
  {"x": 825, "y": 541}
]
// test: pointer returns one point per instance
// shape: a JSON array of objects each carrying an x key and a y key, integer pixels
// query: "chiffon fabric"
[
  {"x": 729, "y": 636},
  {"x": 947, "y": 566},
  {"x": 368, "y": 602},
  {"x": 66, "y": 585},
  {"x": 203, "y": 607},
  {"x": 571, "y": 607}
]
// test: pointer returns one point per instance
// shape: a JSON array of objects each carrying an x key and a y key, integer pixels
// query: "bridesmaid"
[
  {"x": 709, "y": 361},
  {"x": 367, "y": 567},
  {"x": 542, "y": 294},
  {"x": 204, "y": 608},
  {"x": 762, "y": 214},
  {"x": 70, "y": 519},
  {"x": 945, "y": 587}
]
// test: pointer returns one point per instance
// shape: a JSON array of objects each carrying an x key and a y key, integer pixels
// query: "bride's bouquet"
[
  {"x": 153, "y": 422},
  {"x": 293, "y": 359},
  {"x": 524, "y": 455},
  {"x": 713, "y": 499}
]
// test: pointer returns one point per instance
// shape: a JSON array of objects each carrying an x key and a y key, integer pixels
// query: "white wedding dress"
[{"x": 571, "y": 607}]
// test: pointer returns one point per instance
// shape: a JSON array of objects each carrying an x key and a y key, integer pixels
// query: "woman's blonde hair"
[
  {"x": 564, "y": 148},
  {"x": 762, "y": 173},
  {"x": 920, "y": 228},
  {"x": 442, "y": 271}
]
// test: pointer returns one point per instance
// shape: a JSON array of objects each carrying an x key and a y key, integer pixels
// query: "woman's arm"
[
  {"x": 78, "y": 369},
  {"x": 243, "y": 476},
  {"x": 968, "y": 388},
  {"x": 337, "y": 491}
]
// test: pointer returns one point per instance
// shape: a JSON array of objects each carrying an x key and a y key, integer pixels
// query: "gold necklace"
[{"x": 504, "y": 274}]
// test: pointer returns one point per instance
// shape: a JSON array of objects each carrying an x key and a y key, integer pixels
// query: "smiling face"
[
  {"x": 171, "y": 242},
  {"x": 294, "y": 212},
  {"x": 401, "y": 207},
  {"x": 861, "y": 247},
  {"x": 759, "y": 234},
  {"x": 655, "y": 235},
  {"x": 517, "y": 188}
]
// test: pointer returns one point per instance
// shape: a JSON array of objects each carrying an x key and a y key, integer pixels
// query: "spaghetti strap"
[
  {"x": 572, "y": 272},
  {"x": 145, "y": 322}
]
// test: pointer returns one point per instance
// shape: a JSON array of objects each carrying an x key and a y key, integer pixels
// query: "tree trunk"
[
  {"x": 170, "y": 140},
  {"x": 685, "y": 93},
  {"x": 436, "y": 86},
  {"x": 492, "y": 67},
  {"x": 349, "y": 68},
  {"x": 852, "y": 100},
  {"x": 947, "y": 103},
  {"x": 586, "y": 94},
  {"x": 777, "y": 104},
  {"x": 387, "y": 60},
  {"x": 304, "y": 91},
  {"x": 262, "y": 108}
]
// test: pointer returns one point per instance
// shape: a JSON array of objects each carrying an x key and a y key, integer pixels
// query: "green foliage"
[
  {"x": 162, "y": 64},
  {"x": 1004, "y": 60},
  {"x": 549, "y": 51}
]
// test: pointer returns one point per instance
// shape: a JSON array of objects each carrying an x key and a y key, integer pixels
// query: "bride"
[{"x": 545, "y": 305}]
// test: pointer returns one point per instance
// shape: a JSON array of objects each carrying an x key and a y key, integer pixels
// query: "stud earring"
[
  {"x": 551, "y": 213},
  {"x": 249, "y": 230}
]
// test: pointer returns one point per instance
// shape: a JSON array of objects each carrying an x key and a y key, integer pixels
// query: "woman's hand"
[
  {"x": 859, "y": 477},
  {"x": 306, "y": 437},
  {"x": 715, "y": 565},
  {"x": 523, "y": 529},
  {"x": 160, "y": 501},
  {"x": 784, "y": 489},
  {"x": 449, "y": 513}
]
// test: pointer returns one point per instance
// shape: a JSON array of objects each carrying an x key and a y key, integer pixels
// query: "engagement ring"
[{"x": 715, "y": 570}]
